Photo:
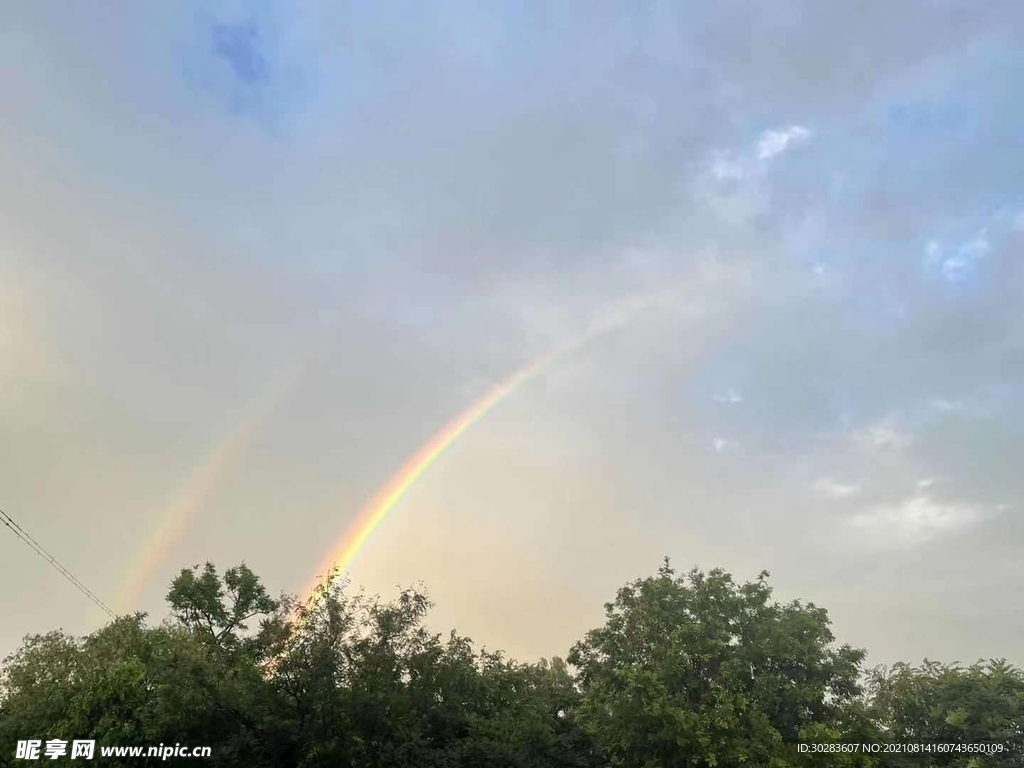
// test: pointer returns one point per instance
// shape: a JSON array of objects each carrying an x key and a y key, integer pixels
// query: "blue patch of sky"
[
  {"x": 259, "y": 64},
  {"x": 241, "y": 47},
  {"x": 947, "y": 147},
  {"x": 954, "y": 135},
  {"x": 956, "y": 256},
  {"x": 958, "y": 248}
]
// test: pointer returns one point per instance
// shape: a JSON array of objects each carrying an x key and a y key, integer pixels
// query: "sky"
[{"x": 256, "y": 253}]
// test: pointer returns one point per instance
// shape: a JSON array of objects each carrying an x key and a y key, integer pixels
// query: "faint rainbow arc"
[
  {"x": 385, "y": 500},
  {"x": 199, "y": 485}
]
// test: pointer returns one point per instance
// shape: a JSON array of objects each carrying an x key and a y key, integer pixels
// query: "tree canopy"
[
  {"x": 687, "y": 671},
  {"x": 700, "y": 670}
]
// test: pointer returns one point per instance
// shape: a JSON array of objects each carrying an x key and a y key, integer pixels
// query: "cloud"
[
  {"x": 775, "y": 142},
  {"x": 727, "y": 167},
  {"x": 735, "y": 183},
  {"x": 984, "y": 402},
  {"x": 731, "y": 396},
  {"x": 835, "y": 490},
  {"x": 942, "y": 405},
  {"x": 882, "y": 435},
  {"x": 961, "y": 266},
  {"x": 916, "y": 520},
  {"x": 183, "y": 223}
]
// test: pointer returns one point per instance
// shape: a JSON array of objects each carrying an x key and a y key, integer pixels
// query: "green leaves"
[
  {"x": 218, "y": 608},
  {"x": 700, "y": 670},
  {"x": 950, "y": 704},
  {"x": 687, "y": 671}
]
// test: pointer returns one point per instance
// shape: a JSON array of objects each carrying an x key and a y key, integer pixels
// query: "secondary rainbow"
[{"x": 199, "y": 486}]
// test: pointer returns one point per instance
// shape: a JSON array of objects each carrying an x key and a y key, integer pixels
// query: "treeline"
[{"x": 688, "y": 670}]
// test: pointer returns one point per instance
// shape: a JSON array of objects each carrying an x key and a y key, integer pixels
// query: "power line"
[{"x": 38, "y": 548}]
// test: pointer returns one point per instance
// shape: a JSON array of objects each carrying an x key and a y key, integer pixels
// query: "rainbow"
[
  {"x": 229, "y": 451},
  {"x": 192, "y": 498},
  {"x": 387, "y": 498}
]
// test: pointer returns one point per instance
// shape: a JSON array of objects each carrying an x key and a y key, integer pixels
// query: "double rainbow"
[{"x": 197, "y": 490}]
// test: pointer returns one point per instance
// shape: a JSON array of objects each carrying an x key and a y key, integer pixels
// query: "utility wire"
[{"x": 38, "y": 548}]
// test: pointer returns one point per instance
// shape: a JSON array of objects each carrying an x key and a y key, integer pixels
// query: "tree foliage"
[
  {"x": 687, "y": 671},
  {"x": 947, "y": 703},
  {"x": 702, "y": 671}
]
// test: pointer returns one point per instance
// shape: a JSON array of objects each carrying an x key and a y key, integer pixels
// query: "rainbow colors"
[
  {"x": 378, "y": 508},
  {"x": 194, "y": 495},
  {"x": 200, "y": 485}
]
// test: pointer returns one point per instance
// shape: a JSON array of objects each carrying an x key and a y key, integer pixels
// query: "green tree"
[
  {"x": 218, "y": 607},
  {"x": 701, "y": 671},
  {"x": 949, "y": 704},
  {"x": 193, "y": 680},
  {"x": 366, "y": 684},
  {"x": 124, "y": 685},
  {"x": 695, "y": 671}
]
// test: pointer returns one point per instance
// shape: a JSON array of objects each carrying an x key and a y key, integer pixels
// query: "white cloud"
[
  {"x": 946, "y": 406},
  {"x": 956, "y": 268},
  {"x": 882, "y": 435},
  {"x": 775, "y": 142},
  {"x": 835, "y": 490},
  {"x": 726, "y": 166},
  {"x": 721, "y": 445},
  {"x": 926, "y": 482},
  {"x": 729, "y": 396},
  {"x": 733, "y": 182},
  {"x": 917, "y": 519},
  {"x": 982, "y": 404}
]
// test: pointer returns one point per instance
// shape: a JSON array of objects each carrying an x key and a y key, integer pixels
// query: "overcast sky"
[{"x": 253, "y": 256}]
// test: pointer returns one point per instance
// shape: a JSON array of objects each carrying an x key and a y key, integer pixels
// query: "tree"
[
  {"x": 219, "y": 607},
  {"x": 365, "y": 684},
  {"x": 702, "y": 671},
  {"x": 949, "y": 704},
  {"x": 124, "y": 685},
  {"x": 193, "y": 680},
  {"x": 687, "y": 671}
]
